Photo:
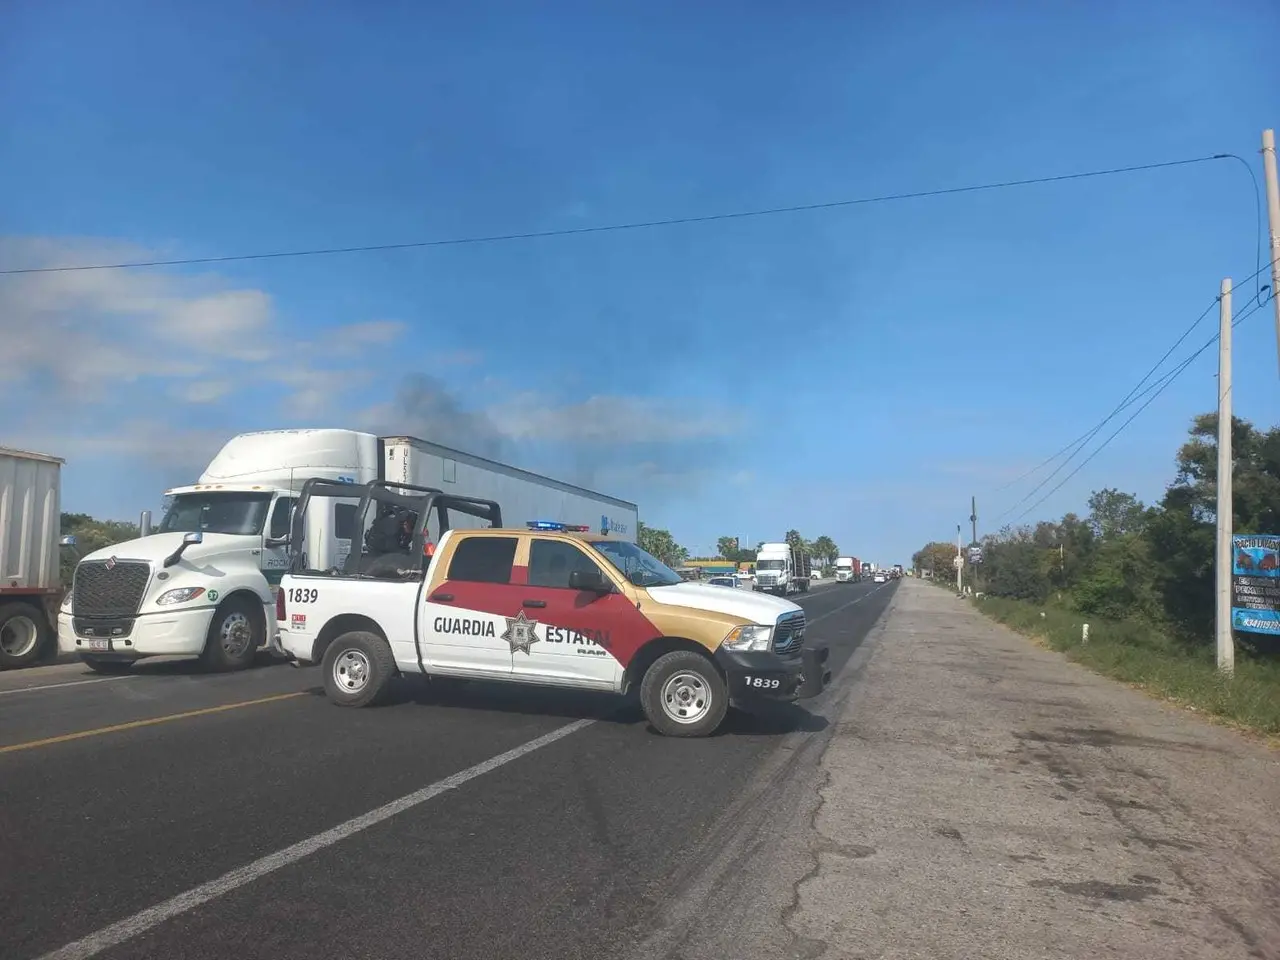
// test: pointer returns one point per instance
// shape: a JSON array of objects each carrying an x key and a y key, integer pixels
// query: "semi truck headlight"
[
  {"x": 748, "y": 637},
  {"x": 180, "y": 595},
  {"x": 66, "y": 601}
]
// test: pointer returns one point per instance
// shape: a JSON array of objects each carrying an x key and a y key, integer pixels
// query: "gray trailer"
[
  {"x": 30, "y": 590},
  {"x": 524, "y": 496}
]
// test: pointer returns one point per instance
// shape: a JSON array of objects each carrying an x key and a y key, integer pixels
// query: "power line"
[
  {"x": 617, "y": 227},
  {"x": 1167, "y": 380},
  {"x": 1079, "y": 443},
  {"x": 1132, "y": 397}
]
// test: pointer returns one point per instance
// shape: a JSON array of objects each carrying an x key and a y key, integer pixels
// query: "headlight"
[
  {"x": 66, "y": 601},
  {"x": 180, "y": 595},
  {"x": 748, "y": 637}
]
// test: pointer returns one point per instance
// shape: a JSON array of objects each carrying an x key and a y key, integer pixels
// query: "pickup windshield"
[
  {"x": 217, "y": 512},
  {"x": 770, "y": 564},
  {"x": 640, "y": 568}
]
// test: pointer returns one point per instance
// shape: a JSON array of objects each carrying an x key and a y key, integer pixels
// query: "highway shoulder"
[{"x": 981, "y": 791}]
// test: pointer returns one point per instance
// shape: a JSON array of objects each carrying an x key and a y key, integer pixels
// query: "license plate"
[{"x": 94, "y": 645}]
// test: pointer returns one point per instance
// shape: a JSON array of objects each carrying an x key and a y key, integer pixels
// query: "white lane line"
[
  {"x": 58, "y": 686},
  {"x": 152, "y": 917}
]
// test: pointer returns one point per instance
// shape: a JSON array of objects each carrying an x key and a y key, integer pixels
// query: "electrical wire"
[
  {"x": 617, "y": 227},
  {"x": 1075, "y": 446},
  {"x": 1162, "y": 386}
]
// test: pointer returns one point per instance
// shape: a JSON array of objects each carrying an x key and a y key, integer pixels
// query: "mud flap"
[{"x": 816, "y": 673}]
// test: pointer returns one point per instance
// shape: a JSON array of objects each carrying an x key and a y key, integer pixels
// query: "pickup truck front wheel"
[
  {"x": 358, "y": 668},
  {"x": 683, "y": 695}
]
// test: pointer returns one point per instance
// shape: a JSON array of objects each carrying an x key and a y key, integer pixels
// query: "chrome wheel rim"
[
  {"x": 351, "y": 671},
  {"x": 236, "y": 634},
  {"x": 686, "y": 697}
]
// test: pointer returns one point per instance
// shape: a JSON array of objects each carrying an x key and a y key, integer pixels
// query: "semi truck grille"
[
  {"x": 109, "y": 589},
  {"x": 788, "y": 635}
]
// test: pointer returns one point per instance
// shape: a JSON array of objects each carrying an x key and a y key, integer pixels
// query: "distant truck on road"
[
  {"x": 30, "y": 585},
  {"x": 868, "y": 568},
  {"x": 848, "y": 570},
  {"x": 782, "y": 569}
]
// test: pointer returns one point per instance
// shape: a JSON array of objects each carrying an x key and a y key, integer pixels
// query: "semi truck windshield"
[
  {"x": 226, "y": 512},
  {"x": 770, "y": 564}
]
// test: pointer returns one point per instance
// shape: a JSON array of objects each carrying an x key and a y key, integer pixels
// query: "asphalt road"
[{"x": 171, "y": 813}]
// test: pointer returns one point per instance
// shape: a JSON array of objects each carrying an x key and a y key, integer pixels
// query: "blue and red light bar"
[{"x": 557, "y": 525}]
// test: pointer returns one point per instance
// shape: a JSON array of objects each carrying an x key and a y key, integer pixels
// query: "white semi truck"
[
  {"x": 204, "y": 583},
  {"x": 782, "y": 569},
  {"x": 845, "y": 572}
]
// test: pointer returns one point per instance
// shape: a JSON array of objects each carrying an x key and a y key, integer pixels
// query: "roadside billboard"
[{"x": 1255, "y": 583}]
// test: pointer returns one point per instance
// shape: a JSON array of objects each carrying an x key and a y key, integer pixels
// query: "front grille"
[
  {"x": 112, "y": 592},
  {"x": 115, "y": 629},
  {"x": 788, "y": 635}
]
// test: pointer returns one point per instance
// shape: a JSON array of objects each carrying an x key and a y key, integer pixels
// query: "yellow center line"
[{"x": 135, "y": 724}]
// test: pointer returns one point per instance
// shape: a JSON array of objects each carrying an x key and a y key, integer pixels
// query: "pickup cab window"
[
  {"x": 483, "y": 559},
  {"x": 551, "y": 562}
]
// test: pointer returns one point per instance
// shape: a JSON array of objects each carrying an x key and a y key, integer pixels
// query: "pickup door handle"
[
  {"x": 535, "y": 603},
  {"x": 442, "y": 597}
]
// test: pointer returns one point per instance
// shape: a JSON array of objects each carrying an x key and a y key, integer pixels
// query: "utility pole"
[
  {"x": 1222, "y": 566},
  {"x": 959, "y": 563},
  {"x": 1273, "y": 217},
  {"x": 973, "y": 519}
]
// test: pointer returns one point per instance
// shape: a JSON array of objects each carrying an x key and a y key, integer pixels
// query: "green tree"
[
  {"x": 90, "y": 535},
  {"x": 661, "y": 544},
  {"x": 936, "y": 558},
  {"x": 1115, "y": 514},
  {"x": 824, "y": 549},
  {"x": 727, "y": 547}
]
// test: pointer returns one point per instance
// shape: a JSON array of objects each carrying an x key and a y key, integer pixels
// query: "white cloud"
[
  {"x": 202, "y": 391},
  {"x": 73, "y": 339}
]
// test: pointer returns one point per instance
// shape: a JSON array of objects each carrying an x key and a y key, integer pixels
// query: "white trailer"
[
  {"x": 30, "y": 588},
  {"x": 524, "y": 496}
]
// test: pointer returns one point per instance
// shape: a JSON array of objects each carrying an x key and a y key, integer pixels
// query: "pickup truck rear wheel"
[
  {"x": 234, "y": 637},
  {"x": 358, "y": 667},
  {"x": 683, "y": 695},
  {"x": 24, "y": 634}
]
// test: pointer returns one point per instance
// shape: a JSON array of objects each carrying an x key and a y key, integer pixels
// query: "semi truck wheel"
[
  {"x": 234, "y": 637},
  {"x": 683, "y": 695},
  {"x": 358, "y": 667},
  {"x": 24, "y": 634}
]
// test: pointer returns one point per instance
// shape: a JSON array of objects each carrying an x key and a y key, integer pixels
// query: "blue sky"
[{"x": 858, "y": 373}]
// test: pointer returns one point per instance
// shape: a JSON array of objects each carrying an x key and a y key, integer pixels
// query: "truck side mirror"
[
  {"x": 194, "y": 536},
  {"x": 67, "y": 542},
  {"x": 592, "y": 580}
]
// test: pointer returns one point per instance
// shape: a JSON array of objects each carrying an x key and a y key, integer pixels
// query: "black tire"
[
  {"x": 358, "y": 667},
  {"x": 24, "y": 634},
  {"x": 105, "y": 665},
  {"x": 702, "y": 679},
  {"x": 234, "y": 636}
]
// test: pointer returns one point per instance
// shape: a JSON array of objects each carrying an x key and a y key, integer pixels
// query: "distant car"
[
  {"x": 879, "y": 578},
  {"x": 723, "y": 582}
]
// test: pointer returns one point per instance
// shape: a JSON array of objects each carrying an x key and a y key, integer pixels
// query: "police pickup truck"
[{"x": 443, "y": 590}]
